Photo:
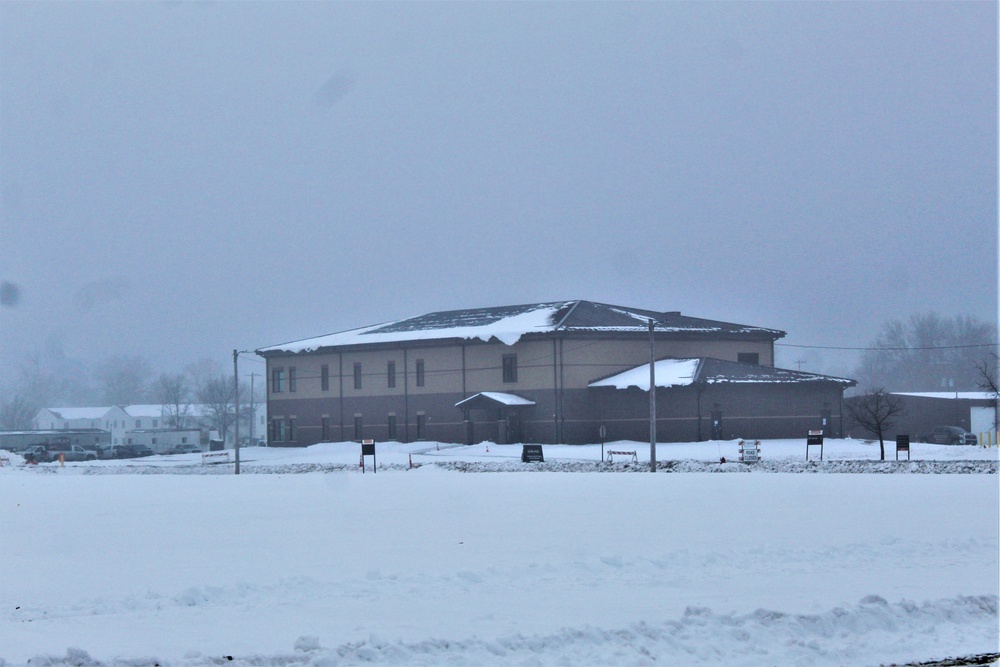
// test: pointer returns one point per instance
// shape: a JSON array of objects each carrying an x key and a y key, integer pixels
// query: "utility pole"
[
  {"x": 236, "y": 399},
  {"x": 652, "y": 398}
]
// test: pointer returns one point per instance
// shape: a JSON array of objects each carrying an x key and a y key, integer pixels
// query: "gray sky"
[{"x": 184, "y": 178}]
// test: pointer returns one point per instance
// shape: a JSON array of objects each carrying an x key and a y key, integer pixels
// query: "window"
[
  {"x": 357, "y": 427},
  {"x": 324, "y": 377},
  {"x": 390, "y": 374},
  {"x": 138, "y": 423},
  {"x": 392, "y": 427},
  {"x": 357, "y": 375},
  {"x": 421, "y": 426},
  {"x": 291, "y": 428},
  {"x": 420, "y": 372},
  {"x": 278, "y": 428},
  {"x": 325, "y": 427},
  {"x": 278, "y": 380},
  {"x": 748, "y": 358},
  {"x": 154, "y": 441},
  {"x": 184, "y": 439},
  {"x": 510, "y": 368},
  {"x": 156, "y": 423},
  {"x": 291, "y": 379}
]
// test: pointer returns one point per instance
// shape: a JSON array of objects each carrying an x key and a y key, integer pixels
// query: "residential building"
[{"x": 122, "y": 422}]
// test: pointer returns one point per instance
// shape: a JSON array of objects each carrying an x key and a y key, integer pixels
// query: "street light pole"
[{"x": 652, "y": 398}]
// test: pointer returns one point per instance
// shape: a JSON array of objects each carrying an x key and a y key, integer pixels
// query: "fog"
[{"x": 180, "y": 179}]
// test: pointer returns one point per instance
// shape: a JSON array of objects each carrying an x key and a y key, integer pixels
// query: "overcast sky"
[{"x": 180, "y": 179}]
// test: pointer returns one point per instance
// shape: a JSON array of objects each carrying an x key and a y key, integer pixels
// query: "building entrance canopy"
[{"x": 493, "y": 399}]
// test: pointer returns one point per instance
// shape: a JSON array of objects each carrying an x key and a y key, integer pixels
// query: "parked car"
[
  {"x": 115, "y": 452},
  {"x": 952, "y": 435},
  {"x": 141, "y": 450},
  {"x": 130, "y": 451},
  {"x": 184, "y": 449},
  {"x": 35, "y": 454},
  {"x": 71, "y": 453}
]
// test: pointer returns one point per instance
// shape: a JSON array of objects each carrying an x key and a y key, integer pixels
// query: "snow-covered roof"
[
  {"x": 669, "y": 373},
  {"x": 508, "y": 324},
  {"x": 139, "y": 411},
  {"x": 154, "y": 411},
  {"x": 960, "y": 395},
  {"x": 716, "y": 371},
  {"x": 497, "y": 396},
  {"x": 79, "y": 413},
  {"x": 705, "y": 370}
]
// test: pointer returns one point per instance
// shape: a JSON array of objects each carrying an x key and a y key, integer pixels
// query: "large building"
[{"x": 541, "y": 372}]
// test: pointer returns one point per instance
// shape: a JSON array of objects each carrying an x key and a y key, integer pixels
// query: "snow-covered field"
[{"x": 433, "y": 566}]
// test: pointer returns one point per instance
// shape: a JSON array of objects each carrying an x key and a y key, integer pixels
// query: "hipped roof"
[
  {"x": 706, "y": 370},
  {"x": 508, "y": 324}
]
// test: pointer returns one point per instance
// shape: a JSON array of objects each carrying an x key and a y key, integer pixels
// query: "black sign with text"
[{"x": 532, "y": 454}]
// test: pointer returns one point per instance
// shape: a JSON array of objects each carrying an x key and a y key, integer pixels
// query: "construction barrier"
[
  {"x": 612, "y": 454},
  {"x": 749, "y": 453}
]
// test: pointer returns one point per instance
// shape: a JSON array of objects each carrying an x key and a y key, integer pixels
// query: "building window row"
[
  {"x": 278, "y": 375},
  {"x": 285, "y": 429}
]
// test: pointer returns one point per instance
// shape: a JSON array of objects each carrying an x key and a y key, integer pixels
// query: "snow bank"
[{"x": 879, "y": 631}]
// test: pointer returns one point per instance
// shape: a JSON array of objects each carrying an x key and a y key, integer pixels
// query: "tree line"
[{"x": 928, "y": 352}]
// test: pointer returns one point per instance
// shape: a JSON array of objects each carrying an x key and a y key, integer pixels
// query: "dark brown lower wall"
[
  {"x": 684, "y": 414},
  {"x": 723, "y": 411},
  {"x": 441, "y": 420}
]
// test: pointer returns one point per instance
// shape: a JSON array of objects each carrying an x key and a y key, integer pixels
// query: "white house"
[{"x": 123, "y": 421}]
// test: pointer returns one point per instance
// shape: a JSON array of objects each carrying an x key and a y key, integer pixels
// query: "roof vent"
[{"x": 672, "y": 312}]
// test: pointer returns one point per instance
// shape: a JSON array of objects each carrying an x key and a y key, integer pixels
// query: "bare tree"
[
  {"x": 201, "y": 371},
  {"x": 17, "y": 413},
  {"x": 217, "y": 395},
  {"x": 173, "y": 393},
  {"x": 988, "y": 382},
  {"x": 875, "y": 412},
  {"x": 124, "y": 380}
]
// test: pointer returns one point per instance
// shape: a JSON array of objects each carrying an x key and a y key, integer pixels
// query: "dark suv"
[
  {"x": 131, "y": 451},
  {"x": 953, "y": 435}
]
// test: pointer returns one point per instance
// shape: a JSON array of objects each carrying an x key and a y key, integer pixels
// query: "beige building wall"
[{"x": 582, "y": 361}]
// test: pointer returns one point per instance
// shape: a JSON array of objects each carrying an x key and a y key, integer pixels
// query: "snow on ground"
[{"x": 430, "y": 566}]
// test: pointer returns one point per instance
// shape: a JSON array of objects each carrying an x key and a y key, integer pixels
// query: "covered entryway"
[{"x": 493, "y": 415}]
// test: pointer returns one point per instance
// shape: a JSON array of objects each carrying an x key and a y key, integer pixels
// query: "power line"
[{"x": 888, "y": 349}]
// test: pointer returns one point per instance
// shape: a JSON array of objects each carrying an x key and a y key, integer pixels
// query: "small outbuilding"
[{"x": 713, "y": 399}]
